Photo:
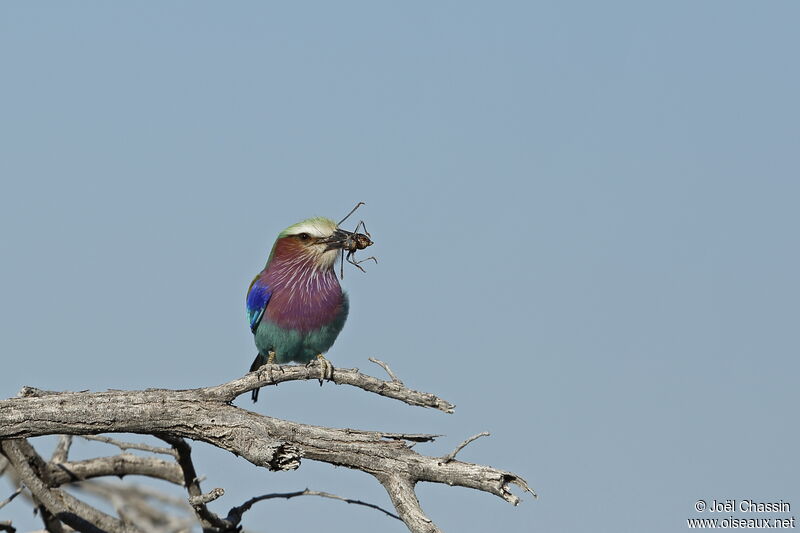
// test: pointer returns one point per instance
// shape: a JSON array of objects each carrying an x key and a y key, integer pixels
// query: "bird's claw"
[
  {"x": 270, "y": 368},
  {"x": 326, "y": 368}
]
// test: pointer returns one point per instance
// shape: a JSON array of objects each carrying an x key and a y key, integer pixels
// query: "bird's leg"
[
  {"x": 326, "y": 368},
  {"x": 260, "y": 364},
  {"x": 271, "y": 357}
]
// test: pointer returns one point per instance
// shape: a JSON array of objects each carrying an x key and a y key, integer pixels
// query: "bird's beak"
[{"x": 337, "y": 240}]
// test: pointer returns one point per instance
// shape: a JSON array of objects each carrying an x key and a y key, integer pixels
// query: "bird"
[{"x": 295, "y": 305}]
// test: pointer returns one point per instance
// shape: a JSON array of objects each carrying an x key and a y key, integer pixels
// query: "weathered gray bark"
[{"x": 206, "y": 414}]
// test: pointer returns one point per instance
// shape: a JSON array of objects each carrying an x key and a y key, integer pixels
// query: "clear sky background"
[{"x": 586, "y": 216}]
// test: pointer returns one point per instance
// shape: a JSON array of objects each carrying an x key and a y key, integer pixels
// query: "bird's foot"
[
  {"x": 260, "y": 367},
  {"x": 325, "y": 366}
]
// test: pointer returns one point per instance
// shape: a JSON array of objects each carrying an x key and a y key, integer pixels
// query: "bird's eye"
[{"x": 304, "y": 236}]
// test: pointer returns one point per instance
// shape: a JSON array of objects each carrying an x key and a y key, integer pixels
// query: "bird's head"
[{"x": 315, "y": 240}]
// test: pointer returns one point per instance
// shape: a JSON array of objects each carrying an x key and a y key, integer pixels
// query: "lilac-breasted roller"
[{"x": 296, "y": 306}]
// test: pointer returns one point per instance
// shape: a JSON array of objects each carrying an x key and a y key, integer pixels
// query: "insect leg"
[{"x": 352, "y": 262}]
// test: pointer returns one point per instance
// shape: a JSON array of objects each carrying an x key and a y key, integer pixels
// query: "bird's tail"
[{"x": 259, "y": 361}]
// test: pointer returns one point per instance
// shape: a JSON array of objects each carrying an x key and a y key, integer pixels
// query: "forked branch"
[{"x": 207, "y": 415}]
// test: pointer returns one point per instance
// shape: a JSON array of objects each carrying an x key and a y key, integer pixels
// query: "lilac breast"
[{"x": 303, "y": 297}]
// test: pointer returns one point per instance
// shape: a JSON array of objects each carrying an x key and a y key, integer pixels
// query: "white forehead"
[{"x": 316, "y": 227}]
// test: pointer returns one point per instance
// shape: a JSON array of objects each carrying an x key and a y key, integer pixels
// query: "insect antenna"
[{"x": 359, "y": 204}]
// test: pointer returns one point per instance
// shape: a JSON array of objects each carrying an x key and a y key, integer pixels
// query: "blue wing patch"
[{"x": 257, "y": 298}]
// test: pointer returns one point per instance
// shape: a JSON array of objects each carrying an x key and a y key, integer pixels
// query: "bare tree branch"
[
  {"x": 235, "y": 514},
  {"x": 125, "y": 446},
  {"x": 342, "y": 376},
  {"x": 207, "y": 415},
  {"x": 61, "y": 473},
  {"x": 118, "y": 465},
  {"x": 207, "y": 518},
  {"x": 208, "y": 497},
  {"x": 134, "y": 504},
  {"x": 11, "y": 498},
  {"x": 51, "y": 523},
  {"x": 452, "y": 455},
  {"x": 63, "y": 506},
  {"x": 387, "y": 369},
  {"x": 61, "y": 453},
  {"x": 401, "y": 491},
  {"x": 130, "y": 490}
]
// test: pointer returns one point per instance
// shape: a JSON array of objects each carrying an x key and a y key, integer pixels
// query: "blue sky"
[{"x": 585, "y": 216}]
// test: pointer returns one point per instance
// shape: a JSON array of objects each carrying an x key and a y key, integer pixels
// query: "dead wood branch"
[
  {"x": 148, "y": 509},
  {"x": 207, "y": 415},
  {"x": 125, "y": 446},
  {"x": 11, "y": 498},
  {"x": 236, "y": 513},
  {"x": 64, "y": 507},
  {"x": 121, "y": 465},
  {"x": 197, "y": 499}
]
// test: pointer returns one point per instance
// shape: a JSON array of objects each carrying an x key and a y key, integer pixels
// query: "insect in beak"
[
  {"x": 340, "y": 240},
  {"x": 351, "y": 242}
]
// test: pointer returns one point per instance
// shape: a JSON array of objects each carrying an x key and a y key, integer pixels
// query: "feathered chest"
[{"x": 303, "y": 297}]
